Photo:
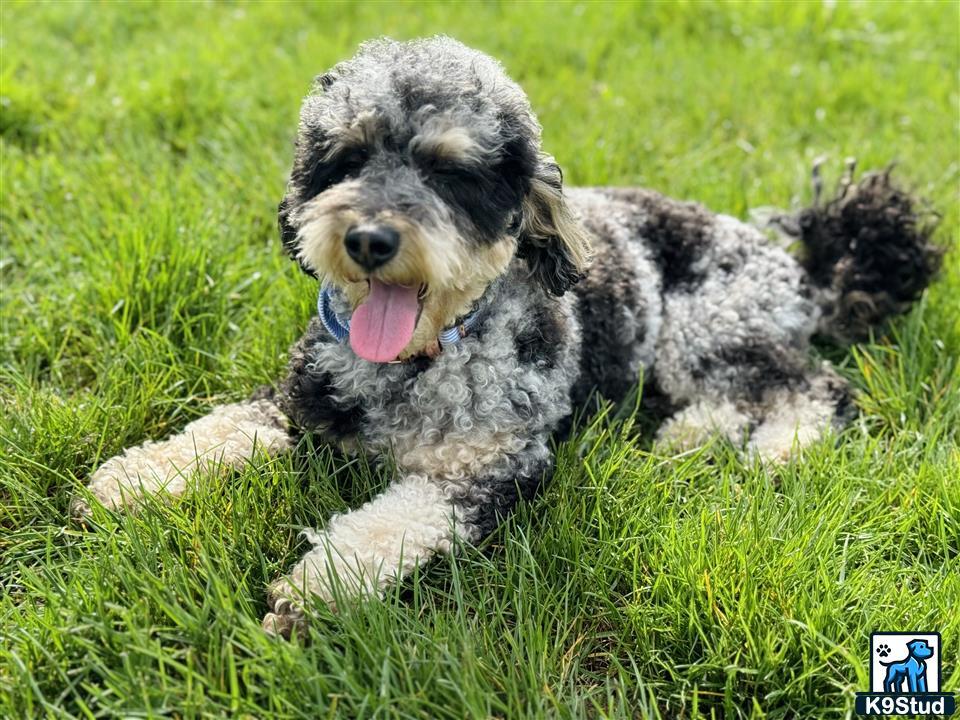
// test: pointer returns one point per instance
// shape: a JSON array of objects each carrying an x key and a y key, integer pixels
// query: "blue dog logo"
[
  {"x": 905, "y": 672},
  {"x": 912, "y": 670}
]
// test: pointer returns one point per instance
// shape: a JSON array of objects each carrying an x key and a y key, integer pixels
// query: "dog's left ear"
[{"x": 554, "y": 244}]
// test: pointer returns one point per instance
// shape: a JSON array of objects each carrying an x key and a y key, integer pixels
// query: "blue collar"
[{"x": 340, "y": 329}]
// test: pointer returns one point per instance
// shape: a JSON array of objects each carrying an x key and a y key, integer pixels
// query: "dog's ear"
[
  {"x": 551, "y": 240},
  {"x": 288, "y": 233}
]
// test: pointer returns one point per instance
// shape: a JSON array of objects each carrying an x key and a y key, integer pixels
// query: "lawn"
[{"x": 144, "y": 150}]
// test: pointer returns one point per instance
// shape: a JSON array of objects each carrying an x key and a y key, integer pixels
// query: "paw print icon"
[{"x": 883, "y": 650}]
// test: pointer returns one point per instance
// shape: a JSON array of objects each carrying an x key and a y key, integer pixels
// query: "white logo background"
[{"x": 895, "y": 645}]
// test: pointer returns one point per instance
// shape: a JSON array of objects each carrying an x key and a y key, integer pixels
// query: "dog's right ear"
[
  {"x": 551, "y": 240},
  {"x": 306, "y": 158},
  {"x": 288, "y": 233}
]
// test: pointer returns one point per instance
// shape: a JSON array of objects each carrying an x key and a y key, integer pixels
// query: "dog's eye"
[
  {"x": 353, "y": 162},
  {"x": 328, "y": 173},
  {"x": 514, "y": 227},
  {"x": 448, "y": 171},
  {"x": 442, "y": 168}
]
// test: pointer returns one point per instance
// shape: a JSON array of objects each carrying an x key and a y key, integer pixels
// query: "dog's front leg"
[
  {"x": 223, "y": 439},
  {"x": 361, "y": 552}
]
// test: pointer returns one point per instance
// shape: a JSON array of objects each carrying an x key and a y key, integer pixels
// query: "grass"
[{"x": 144, "y": 150}]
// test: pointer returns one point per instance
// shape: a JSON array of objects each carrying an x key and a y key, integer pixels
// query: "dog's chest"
[{"x": 476, "y": 402}]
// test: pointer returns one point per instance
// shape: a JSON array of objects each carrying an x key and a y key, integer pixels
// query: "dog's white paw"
[
  {"x": 123, "y": 479},
  {"x": 360, "y": 553},
  {"x": 795, "y": 420},
  {"x": 326, "y": 574},
  {"x": 696, "y": 424},
  {"x": 226, "y": 438}
]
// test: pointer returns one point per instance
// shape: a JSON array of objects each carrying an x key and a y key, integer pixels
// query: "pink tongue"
[{"x": 382, "y": 326}]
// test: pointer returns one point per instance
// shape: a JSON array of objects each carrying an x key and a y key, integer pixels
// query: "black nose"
[{"x": 371, "y": 245}]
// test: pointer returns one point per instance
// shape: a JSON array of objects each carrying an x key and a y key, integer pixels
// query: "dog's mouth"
[{"x": 383, "y": 324}]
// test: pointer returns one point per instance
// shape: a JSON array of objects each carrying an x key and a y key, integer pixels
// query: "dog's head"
[
  {"x": 920, "y": 649},
  {"x": 418, "y": 176}
]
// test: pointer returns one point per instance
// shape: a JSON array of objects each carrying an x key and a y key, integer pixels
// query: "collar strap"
[{"x": 340, "y": 329}]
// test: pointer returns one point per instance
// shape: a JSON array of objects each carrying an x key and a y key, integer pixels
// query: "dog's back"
[{"x": 720, "y": 316}]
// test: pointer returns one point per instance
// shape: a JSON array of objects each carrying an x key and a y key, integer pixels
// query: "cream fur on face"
[{"x": 453, "y": 271}]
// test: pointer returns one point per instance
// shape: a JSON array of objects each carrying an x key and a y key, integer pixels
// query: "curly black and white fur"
[{"x": 431, "y": 143}]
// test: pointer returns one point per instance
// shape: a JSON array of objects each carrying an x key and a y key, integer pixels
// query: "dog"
[
  {"x": 469, "y": 302},
  {"x": 913, "y": 669}
]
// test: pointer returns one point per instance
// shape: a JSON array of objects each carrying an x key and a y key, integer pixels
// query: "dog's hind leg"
[
  {"x": 890, "y": 683},
  {"x": 775, "y": 420},
  {"x": 223, "y": 439},
  {"x": 790, "y": 419},
  {"x": 694, "y": 425},
  {"x": 759, "y": 387},
  {"x": 733, "y": 350}
]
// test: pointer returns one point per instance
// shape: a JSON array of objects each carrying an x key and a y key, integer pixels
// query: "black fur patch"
[
  {"x": 306, "y": 396},
  {"x": 418, "y": 365},
  {"x": 845, "y": 409},
  {"x": 546, "y": 254},
  {"x": 676, "y": 233},
  {"x": 308, "y": 403},
  {"x": 329, "y": 171},
  {"x": 268, "y": 392},
  {"x": 489, "y": 501},
  {"x": 607, "y": 359},
  {"x": 872, "y": 246},
  {"x": 757, "y": 367},
  {"x": 488, "y": 194},
  {"x": 288, "y": 233},
  {"x": 539, "y": 343},
  {"x": 550, "y": 264},
  {"x": 308, "y": 156},
  {"x": 325, "y": 80},
  {"x": 264, "y": 392}
]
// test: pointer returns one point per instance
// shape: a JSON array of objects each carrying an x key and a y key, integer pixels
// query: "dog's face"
[
  {"x": 418, "y": 176},
  {"x": 920, "y": 649}
]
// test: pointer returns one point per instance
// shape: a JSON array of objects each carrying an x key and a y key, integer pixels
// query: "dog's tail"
[{"x": 867, "y": 252}]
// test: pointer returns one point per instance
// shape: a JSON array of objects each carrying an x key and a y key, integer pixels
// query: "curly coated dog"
[{"x": 459, "y": 326}]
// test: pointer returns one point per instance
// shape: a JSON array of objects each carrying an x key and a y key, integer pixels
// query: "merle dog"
[{"x": 469, "y": 302}]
